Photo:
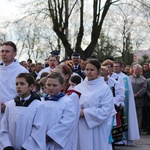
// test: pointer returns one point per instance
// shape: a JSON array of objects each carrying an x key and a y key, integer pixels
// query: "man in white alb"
[{"x": 9, "y": 69}]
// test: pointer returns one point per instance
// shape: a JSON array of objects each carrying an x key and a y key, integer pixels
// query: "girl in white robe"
[
  {"x": 60, "y": 114},
  {"x": 22, "y": 126},
  {"x": 97, "y": 105}
]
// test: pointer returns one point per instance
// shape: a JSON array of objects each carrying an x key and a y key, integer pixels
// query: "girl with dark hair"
[{"x": 97, "y": 105}]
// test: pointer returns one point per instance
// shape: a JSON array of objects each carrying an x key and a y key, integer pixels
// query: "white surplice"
[
  {"x": 23, "y": 126},
  {"x": 97, "y": 103},
  {"x": 119, "y": 91},
  {"x": 60, "y": 118},
  {"x": 8, "y": 76},
  {"x": 8, "y": 81},
  {"x": 74, "y": 134},
  {"x": 47, "y": 69}
]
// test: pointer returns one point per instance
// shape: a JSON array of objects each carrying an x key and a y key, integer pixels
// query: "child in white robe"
[
  {"x": 60, "y": 114},
  {"x": 22, "y": 126},
  {"x": 66, "y": 73},
  {"x": 74, "y": 80}
]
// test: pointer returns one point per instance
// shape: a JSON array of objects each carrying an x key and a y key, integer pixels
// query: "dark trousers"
[
  {"x": 148, "y": 117},
  {"x": 145, "y": 117}
]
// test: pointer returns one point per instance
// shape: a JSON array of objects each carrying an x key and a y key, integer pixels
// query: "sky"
[{"x": 7, "y": 9}]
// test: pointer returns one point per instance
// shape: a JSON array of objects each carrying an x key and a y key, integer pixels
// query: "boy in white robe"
[
  {"x": 60, "y": 114},
  {"x": 22, "y": 126},
  {"x": 66, "y": 73}
]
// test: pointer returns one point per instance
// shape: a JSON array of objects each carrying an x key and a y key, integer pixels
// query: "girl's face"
[
  {"x": 22, "y": 87},
  {"x": 53, "y": 86},
  {"x": 91, "y": 72}
]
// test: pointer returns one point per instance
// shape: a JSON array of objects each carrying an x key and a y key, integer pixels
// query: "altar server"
[
  {"x": 22, "y": 126},
  {"x": 97, "y": 105},
  {"x": 60, "y": 114}
]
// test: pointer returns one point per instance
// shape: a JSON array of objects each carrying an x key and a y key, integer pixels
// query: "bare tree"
[
  {"x": 74, "y": 29},
  {"x": 31, "y": 41},
  {"x": 3, "y": 37},
  {"x": 62, "y": 12},
  {"x": 60, "y": 17},
  {"x": 125, "y": 21}
]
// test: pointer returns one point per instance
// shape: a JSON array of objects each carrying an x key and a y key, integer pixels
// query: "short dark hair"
[
  {"x": 29, "y": 60},
  {"x": 75, "y": 79},
  {"x": 27, "y": 76},
  {"x": 38, "y": 64},
  {"x": 44, "y": 74},
  {"x": 146, "y": 63},
  {"x": 119, "y": 62},
  {"x": 56, "y": 75},
  {"x": 37, "y": 86},
  {"x": 10, "y": 43},
  {"x": 52, "y": 55}
]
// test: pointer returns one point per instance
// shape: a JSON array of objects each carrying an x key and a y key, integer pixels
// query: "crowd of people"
[{"x": 76, "y": 104}]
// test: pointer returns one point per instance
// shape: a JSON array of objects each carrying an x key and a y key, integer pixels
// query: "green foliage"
[
  {"x": 145, "y": 58},
  {"x": 104, "y": 48},
  {"x": 127, "y": 54}
]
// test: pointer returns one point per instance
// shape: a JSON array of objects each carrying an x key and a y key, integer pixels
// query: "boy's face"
[
  {"x": 53, "y": 86},
  {"x": 44, "y": 90},
  {"x": 72, "y": 84},
  {"x": 22, "y": 87}
]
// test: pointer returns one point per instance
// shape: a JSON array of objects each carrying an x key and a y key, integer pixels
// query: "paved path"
[{"x": 142, "y": 144}]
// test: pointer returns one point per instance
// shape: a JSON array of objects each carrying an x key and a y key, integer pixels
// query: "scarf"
[
  {"x": 54, "y": 98},
  {"x": 69, "y": 92}
]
